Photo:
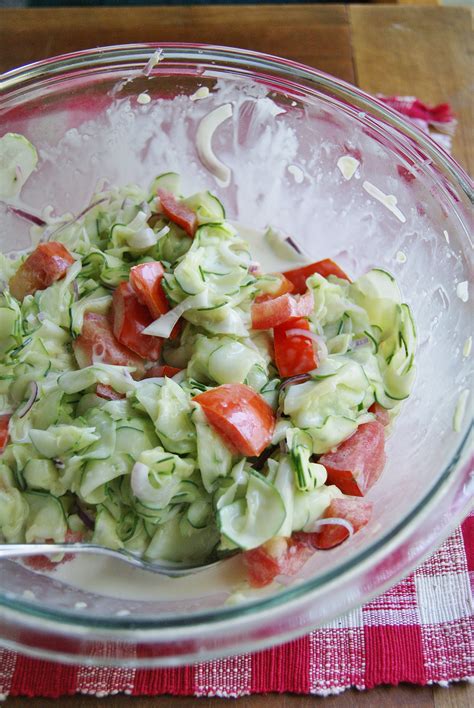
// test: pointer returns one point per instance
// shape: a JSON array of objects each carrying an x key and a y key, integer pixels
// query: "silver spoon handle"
[
  {"x": 173, "y": 570},
  {"x": 15, "y": 550}
]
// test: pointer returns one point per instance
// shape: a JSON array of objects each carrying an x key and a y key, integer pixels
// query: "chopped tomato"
[
  {"x": 298, "y": 276},
  {"x": 271, "y": 313},
  {"x": 284, "y": 286},
  {"x": 279, "y": 556},
  {"x": 44, "y": 563},
  {"x": 97, "y": 342},
  {"x": 4, "y": 420},
  {"x": 129, "y": 318},
  {"x": 107, "y": 392},
  {"x": 294, "y": 353},
  {"x": 357, "y": 462},
  {"x": 162, "y": 370},
  {"x": 240, "y": 416},
  {"x": 178, "y": 212},
  {"x": 145, "y": 279},
  {"x": 48, "y": 263},
  {"x": 381, "y": 413},
  {"x": 352, "y": 509}
]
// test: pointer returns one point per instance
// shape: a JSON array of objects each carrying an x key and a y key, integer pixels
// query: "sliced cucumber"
[
  {"x": 41, "y": 475},
  {"x": 98, "y": 472},
  {"x": 251, "y": 521},
  {"x": 18, "y": 159},
  {"x": 208, "y": 209},
  {"x": 213, "y": 455},
  {"x": 170, "y": 181},
  {"x": 46, "y": 519},
  {"x": 105, "y": 530}
]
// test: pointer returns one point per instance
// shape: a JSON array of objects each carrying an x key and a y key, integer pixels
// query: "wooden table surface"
[{"x": 392, "y": 49}]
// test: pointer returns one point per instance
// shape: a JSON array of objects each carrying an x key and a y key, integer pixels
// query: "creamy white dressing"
[
  {"x": 111, "y": 577},
  {"x": 273, "y": 254},
  {"x": 389, "y": 201},
  {"x": 401, "y": 257},
  {"x": 297, "y": 173},
  {"x": 143, "y": 98},
  {"x": 460, "y": 410},
  {"x": 462, "y": 291},
  {"x": 348, "y": 166},
  {"x": 200, "y": 94},
  {"x": 204, "y": 135}
]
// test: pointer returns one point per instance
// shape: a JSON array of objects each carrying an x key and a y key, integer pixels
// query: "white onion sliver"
[
  {"x": 23, "y": 410},
  {"x": 163, "y": 326},
  {"x": 361, "y": 342},
  {"x": 316, "y": 525}
]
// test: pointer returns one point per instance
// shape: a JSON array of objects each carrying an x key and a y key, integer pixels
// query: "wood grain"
[
  {"x": 315, "y": 35},
  {"x": 403, "y": 696},
  {"x": 418, "y": 51}
]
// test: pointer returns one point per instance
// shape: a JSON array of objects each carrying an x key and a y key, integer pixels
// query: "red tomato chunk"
[
  {"x": 381, "y": 413},
  {"x": 163, "y": 370},
  {"x": 298, "y": 276},
  {"x": 279, "y": 556},
  {"x": 4, "y": 421},
  {"x": 129, "y": 318},
  {"x": 178, "y": 212},
  {"x": 277, "y": 311},
  {"x": 44, "y": 563},
  {"x": 294, "y": 354},
  {"x": 97, "y": 342},
  {"x": 352, "y": 509},
  {"x": 285, "y": 286},
  {"x": 47, "y": 264},
  {"x": 107, "y": 392},
  {"x": 240, "y": 416},
  {"x": 357, "y": 463},
  {"x": 145, "y": 279}
]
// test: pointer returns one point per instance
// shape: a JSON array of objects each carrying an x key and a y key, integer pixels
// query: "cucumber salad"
[{"x": 162, "y": 394}]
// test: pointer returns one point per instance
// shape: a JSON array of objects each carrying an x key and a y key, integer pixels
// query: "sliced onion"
[
  {"x": 163, "y": 326},
  {"x": 85, "y": 518},
  {"x": 28, "y": 216},
  {"x": 294, "y": 245},
  {"x": 317, "y": 525},
  {"x": 23, "y": 409},
  {"x": 259, "y": 461},
  {"x": 69, "y": 222},
  {"x": 361, "y": 342},
  {"x": 299, "y": 378},
  {"x": 41, "y": 316},
  {"x": 254, "y": 267}
]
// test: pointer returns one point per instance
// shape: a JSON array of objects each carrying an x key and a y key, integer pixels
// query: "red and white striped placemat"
[{"x": 420, "y": 631}]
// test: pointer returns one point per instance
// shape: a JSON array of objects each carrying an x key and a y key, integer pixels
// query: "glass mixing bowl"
[{"x": 289, "y": 126}]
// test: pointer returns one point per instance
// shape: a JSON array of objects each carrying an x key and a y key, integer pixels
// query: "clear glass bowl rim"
[{"x": 128, "y": 57}]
